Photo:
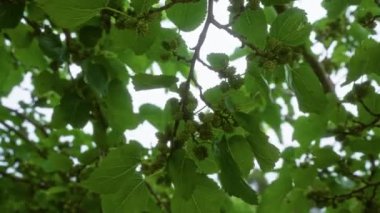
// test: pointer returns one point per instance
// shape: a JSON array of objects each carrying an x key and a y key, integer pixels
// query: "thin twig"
[
  {"x": 191, "y": 75},
  {"x": 158, "y": 200},
  {"x": 368, "y": 109}
]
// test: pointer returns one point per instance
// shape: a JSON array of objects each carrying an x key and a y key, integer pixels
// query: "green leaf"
[
  {"x": 51, "y": 45},
  {"x": 214, "y": 96},
  {"x": 303, "y": 177},
  {"x": 21, "y": 36},
  {"x": 9, "y": 74},
  {"x": 207, "y": 165},
  {"x": 265, "y": 153},
  {"x": 274, "y": 195},
  {"x": 90, "y": 35},
  {"x": 308, "y": 89},
  {"x": 369, "y": 147},
  {"x": 114, "y": 170},
  {"x": 291, "y": 27},
  {"x": 31, "y": 56},
  {"x": 230, "y": 175},
  {"x": 118, "y": 107},
  {"x": 365, "y": 60},
  {"x": 147, "y": 81},
  {"x": 115, "y": 68},
  {"x": 296, "y": 201},
  {"x": 335, "y": 8},
  {"x": 188, "y": 15},
  {"x": 206, "y": 198},
  {"x": 140, "y": 43},
  {"x": 72, "y": 110},
  {"x": 183, "y": 173},
  {"x": 255, "y": 81},
  {"x": 252, "y": 25},
  {"x": 96, "y": 76},
  {"x": 133, "y": 196},
  {"x": 138, "y": 63},
  {"x": 11, "y": 13},
  {"x": 46, "y": 82},
  {"x": 307, "y": 129},
  {"x": 71, "y": 13},
  {"x": 57, "y": 162},
  {"x": 142, "y": 6},
  {"x": 89, "y": 156},
  {"x": 241, "y": 153},
  {"x": 154, "y": 115},
  {"x": 325, "y": 156},
  {"x": 218, "y": 61},
  {"x": 275, "y": 2}
]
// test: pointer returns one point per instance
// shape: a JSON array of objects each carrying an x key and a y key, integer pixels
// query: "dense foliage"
[{"x": 212, "y": 152}]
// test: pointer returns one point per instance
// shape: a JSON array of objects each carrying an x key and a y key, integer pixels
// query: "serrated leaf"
[
  {"x": 252, "y": 25},
  {"x": 31, "y": 56},
  {"x": 325, "y": 156},
  {"x": 57, "y": 162},
  {"x": 89, "y": 35},
  {"x": 115, "y": 68},
  {"x": 71, "y": 13},
  {"x": 9, "y": 74},
  {"x": 291, "y": 27},
  {"x": 335, "y": 8},
  {"x": 51, "y": 45},
  {"x": 303, "y": 177},
  {"x": 147, "y": 81},
  {"x": 183, "y": 173},
  {"x": 214, "y": 95},
  {"x": 113, "y": 170},
  {"x": 206, "y": 198},
  {"x": 11, "y": 13},
  {"x": 265, "y": 153},
  {"x": 72, "y": 110},
  {"x": 230, "y": 175},
  {"x": 154, "y": 115},
  {"x": 274, "y": 195},
  {"x": 21, "y": 36},
  {"x": 308, "y": 89},
  {"x": 218, "y": 61},
  {"x": 365, "y": 60},
  {"x": 133, "y": 197},
  {"x": 296, "y": 201},
  {"x": 307, "y": 129},
  {"x": 241, "y": 153},
  {"x": 118, "y": 107},
  {"x": 188, "y": 15},
  {"x": 96, "y": 76}
]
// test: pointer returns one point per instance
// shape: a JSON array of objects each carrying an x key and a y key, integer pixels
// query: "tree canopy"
[{"x": 212, "y": 151}]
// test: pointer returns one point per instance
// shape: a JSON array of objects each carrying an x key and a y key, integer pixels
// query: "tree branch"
[
  {"x": 159, "y": 202},
  {"x": 318, "y": 69},
  {"x": 191, "y": 75}
]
